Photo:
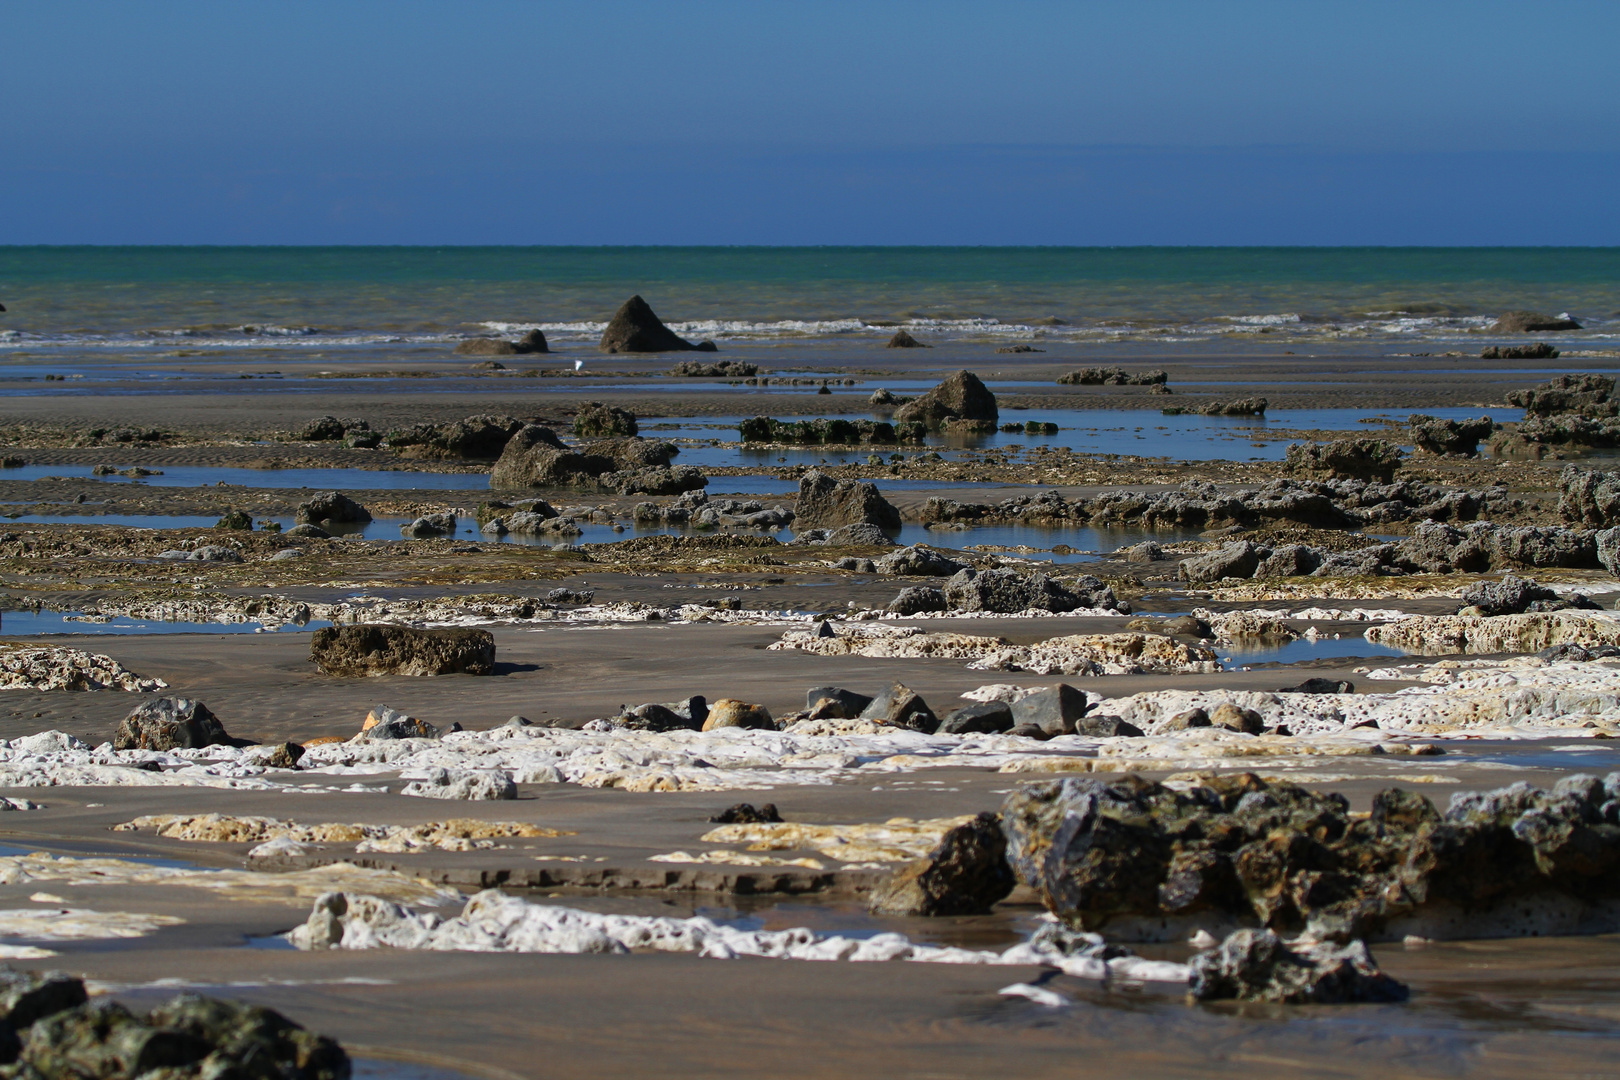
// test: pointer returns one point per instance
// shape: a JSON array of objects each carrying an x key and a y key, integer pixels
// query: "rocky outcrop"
[
  {"x": 536, "y": 458},
  {"x": 918, "y": 560},
  {"x": 598, "y": 421},
  {"x": 1449, "y": 436},
  {"x": 636, "y": 329},
  {"x": 1444, "y": 635},
  {"x": 1008, "y": 591},
  {"x": 330, "y": 429},
  {"x": 714, "y": 369},
  {"x": 1150, "y": 862},
  {"x": 1589, "y": 497},
  {"x": 1514, "y": 596},
  {"x": 442, "y": 523},
  {"x": 477, "y": 438},
  {"x": 961, "y": 397},
  {"x": 1586, "y": 393},
  {"x": 170, "y": 724},
  {"x": 1100, "y": 654},
  {"x": 50, "y": 667},
  {"x": 1539, "y": 351},
  {"x": 915, "y": 599},
  {"x": 1112, "y": 377},
  {"x": 1235, "y": 407},
  {"x": 372, "y": 649},
  {"x": 1532, "y": 322},
  {"x": 331, "y": 506},
  {"x": 1345, "y": 459},
  {"x": 903, "y": 340},
  {"x": 965, "y": 874},
  {"x": 1258, "y": 965},
  {"x": 828, "y": 503},
  {"x": 834, "y": 431}
]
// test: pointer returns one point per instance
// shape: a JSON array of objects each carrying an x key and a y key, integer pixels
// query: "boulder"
[
  {"x": 1258, "y": 965},
  {"x": 598, "y": 421},
  {"x": 1007, "y": 592},
  {"x": 1511, "y": 596},
  {"x": 1532, "y": 322},
  {"x": 1589, "y": 497},
  {"x": 731, "y": 713},
  {"x": 27, "y": 996},
  {"x": 1317, "y": 685},
  {"x": 688, "y": 715},
  {"x": 1346, "y": 459},
  {"x": 903, "y": 340},
  {"x": 1233, "y": 718},
  {"x": 918, "y": 560},
  {"x": 835, "y": 703},
  {"x": 960, "y": 397},
  {"x": 385, "y": 723},
  {"x": 1566, "y": 394},
  {"x": 430, "y": 525},
  {"x": 858, "y": 535},
  {"x": 471, "y": 784},
  {"x": 902, "y": 707},
  {"x": 980, "y": 718},
  {"x": 827, "y": 503},
  {"x": 918, "y": 598},
  {"x": 329, "y": 429},
  {"x": 1239, "y": 559},
  {"x": 372, "y": 649},
  {"x": 965, "y": 874},
  {"x": 308, "y": 532},
  {"x": 636, "y": 329},
  {"x": 532, "y": 342},
  {"x": 331, "y": 506},
  {"x": 1449, "y": 436},
  {"x": 235, "y": 521},
  {"x": 170, "y": 724},
  {"x": 1056, "y": 710},
  {"x": 531, "y": 457}
]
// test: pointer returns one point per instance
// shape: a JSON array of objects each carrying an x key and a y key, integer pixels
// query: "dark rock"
[
  {"x": 834, "y": 702},
  {"x": 1029, "y": 731},
  {"x": 1257, "y": 965},
  {"x": 170, "y": 724},
  {"x": 1008, "y": 591},
  {"x": 383, "y": 723},
  {"x": 901, "y": 706},
  {"x": 1585, "y": 393},
  {"x": 965, "y": 874},
  {"x": 570, "y": 596},
  {"x": 903, "y": 340},
  {"x": 635, "y": 329},
  {"x": 1589, "y": 497},
  {"x": 960, "y": 397},
  {"x": 329, "y": 429},
  {"x": 331, "y": 506},
  {"x": 981, "y": 718},
  {"x": 1511, "y": 596},
  {"x": 372, "y": 649},
  {"x": 1321, "y": 686},
  {"x": 1104, "y": 726},
  {"x": 1539, "y": 351},
  {"x": 598, "y": 421},
  {"x": 430, "y": 525},
  {"x": 1112, "y": 377},
  {"x": 27, "y": 996},
  {"x": 235, "y": 521},
  {"x": 1056, "y": 710},
  {"x": 1449, "y": 436},
  {"x": 714, "y": 369},
  {"x": 1019, "y": 349},
  {"x": 1346, "y": 459},
  {"x": 827, "y": 503},
  {"x": 1532, "y": 322},
  {"x": 486, "y": 347},
  {"x": 746, "y": 814},
  {"x": 653, "y": 717},
  {"x": 919, "y": 560},
  {"x": 532, "y": 342},
  {"x": 280, "y": 756},
  {"x": 535, "y": 457},
  {"x": 917, "y": 598}
]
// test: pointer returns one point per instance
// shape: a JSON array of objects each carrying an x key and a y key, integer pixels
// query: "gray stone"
[
  {"x": 384, "y": 723},
  {"x": 1239, "y": 559},
  {"x": 331, "y": 506},
  {"x": 857, "y": 535},
  {"x": 918, "y": 560},
  {"x": 308, "y": 532},
  {"x": 917, "y": 598},
  {"x": 170, "y": 724},
  {"x": 980, "y": 718},
  {"x": 470, "y": 784},
  {"x": 1008, "y": 591},
  {"x": 900, "y": 706},
  {"x": 834, "y": 702},
  {"x": 960, "y": 397},
  {"x": 1056, "y": 710},
  {"x": 827, "y": 503},
  {"x": 430, "y": 525}
]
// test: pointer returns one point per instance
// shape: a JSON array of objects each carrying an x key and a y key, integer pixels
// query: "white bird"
[{"x": 578, "y": 364}]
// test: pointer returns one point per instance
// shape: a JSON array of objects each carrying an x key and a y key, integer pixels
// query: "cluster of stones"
[
  {"x": 835, "y": 431},
  {"x": 1235, "y": 407},
  {"x": 1113, "y": 377}
]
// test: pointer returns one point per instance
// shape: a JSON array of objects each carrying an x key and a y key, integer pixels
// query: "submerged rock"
[
  {"x": 636, "y": 329},
  {"x": 375, "y": 649},
  {"x": 965, "y": 874},
  {"x": 170, "y": 724},
  {"x": 1257, "y": 965},
  {"x": 1154, "y": 862}
]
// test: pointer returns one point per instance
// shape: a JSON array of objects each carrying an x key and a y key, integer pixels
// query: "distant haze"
[{"x": 1153, "y": 122}]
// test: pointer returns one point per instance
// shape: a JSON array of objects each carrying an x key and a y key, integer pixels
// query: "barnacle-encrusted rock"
[
  {"x": 1346, "y": 459},
  {"x": 598, "y": 421},
  {"x": 1258, "y": 965},
  {"x": 49, "y": 667},
  {"x": 374, "y": 649}
]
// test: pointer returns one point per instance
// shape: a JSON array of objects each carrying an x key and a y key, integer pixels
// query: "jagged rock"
[
  {"x": 1289, "y": 560},
  {"x": 903, "y": 340},
  {"x": 1008, "y": 591},
  {"x": 980, "y": 718},
  {"x": 1511, "y": 596},
  {"x": 714, "y": 369},
  {"x": 330, "y": 429},
  {"x": 1539, "y": 351},
  {"x": 1147, "y": 551},
  {"x": 635, "y": 329},
  {"x": 1056, "y": 710},
  {"x": 965, "y": 874},
  {"x": 960, "y": 397},
  {"x": 731, "y": 713},
  {"x": 481, "y": 438},
  {"x": 384, "y": 723},
  {"x": 1239, "y": 559},
  {"x": 170, "y": 724},
  {"x": 598, "y": 421},
  {"x": 918, "y": 561},
  {"x": 1346, "y": 459},
  {"x": 372, "y": 649},
  {"x": 430, "y": 525},
  {"x": 900, "y": 706},
  {"x": 882, "y": 396},
  {"x": 1566, "y": 394},
  {"x": 331, "y": 506},
  {"x": 835, "y": 703},
  {"x": 1112, "y": 377},
  {"x": 1589, "y": 497},
  {"x": 918, "y": 598},
  {"x": 1449, "y": 436},
  {"x": 746, "y": 814},
  {"x": 188, "y": 1036},
  {"x": 1257, "y": 965},
  {"x": 471, "y": 784},
  {"x": 1532, "y": 322},
  {"x": 828, "y": 503},
  {"x": 1150, "y": 861},
  {"x": 827, "y": 431}
]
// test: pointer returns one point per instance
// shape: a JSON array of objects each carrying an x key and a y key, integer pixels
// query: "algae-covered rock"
[
  {"x": 373, "y": 649},
  {"x": 1257, "y": 965},
  {"x": 965, "y": 874}
]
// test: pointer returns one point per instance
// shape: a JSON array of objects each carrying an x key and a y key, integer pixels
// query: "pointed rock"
[{"x": 636, "y": 329}]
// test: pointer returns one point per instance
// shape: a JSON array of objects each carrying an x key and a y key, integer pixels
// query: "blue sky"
[{"x": 1155, "y": 121}]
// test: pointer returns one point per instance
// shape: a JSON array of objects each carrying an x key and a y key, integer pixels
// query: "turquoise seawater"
[{"x": 338, "y": 293}]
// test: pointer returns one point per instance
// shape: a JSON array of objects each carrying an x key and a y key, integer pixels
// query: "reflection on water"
[
  {"x": 318, "y": 479},
  {"x": 36, "y": 623},
  {"x": 1261, "y": 651}
]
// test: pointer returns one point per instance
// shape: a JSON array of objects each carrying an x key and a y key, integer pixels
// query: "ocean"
[{"x": 302, "y": 298}]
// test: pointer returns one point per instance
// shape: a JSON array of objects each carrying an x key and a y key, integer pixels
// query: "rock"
[
  {"x": 1192, "y": 718},
  {"x": 1008, "y": 592},
  {"x": 1511, "y": 596},
  {"x": 1566, "y": 394},
  {"x": 882, "y": 396},
  {"x": 598, "y": 421},
  {"x": 687, "y": 715},
  {"x": 330, "y": 429},
  {"x": 532, "y": 342},
  {"x": 570, "y": 596},
  {"x": 918, "y": 598},
  {"x": 1539, "y": 351},
  {"x": 900, "y": 706},
  {"x": 834, "y": 702},
  {"x": 385, "y": 723},
  {"x": 373, "y": 649},
  {"x": 1154, "y": 861},
  {"x": 1183, "y": 626},
  {"x": 731, "y": 713},
  {"x": 471, "y": 784},
  {"x": 1238, "y": 559},
  {"x": 1235, "y": 407},
  {"x": 170, "y": 724},
  {"x": 486, "y": 347},
  {"x": 1449, "y": 436},
  {"x": 1233, "y": 718},
  {"x": 746, "y": 814},
  {"x": 1019, "y": 349},
  {"x": 1112, "y": 377},
  {"x": 903, "y": 340},
  {"x": 960, "y": 397},
  {"x": 1346, "y": 459},
  {"x": 714, "y": 369},
  {"x": 965, "y": 874},
  {"x": 430, "y": 525},
  {"x": 918, "y": 560},
  {"x": 275, "y": 756},
  {"x": 236, "y": 521},
  {"x": 1589, "y": 497},
  {"x": 1257, "y": 965},
  {"x": 1056, "y": 710},
  {"x": 481, "y": 438},
  {"x": 28, "y": 996},
  {"x": 1321, "y": 686},
  {"x": 980, "y": 718},
  {"x": 206, "y": 553},
  {"x": 827, "y": 503},
  {"x": 331, "y": 506},
  {"x": 307, "y": 531},
  {"x": 1532, "y": 322},
  {"x": 635, "y": 329},
  {"x": 860, "y": 534},
  {"x": 1147, "y": 551},
  {"x": 189, "y": 1036}
]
